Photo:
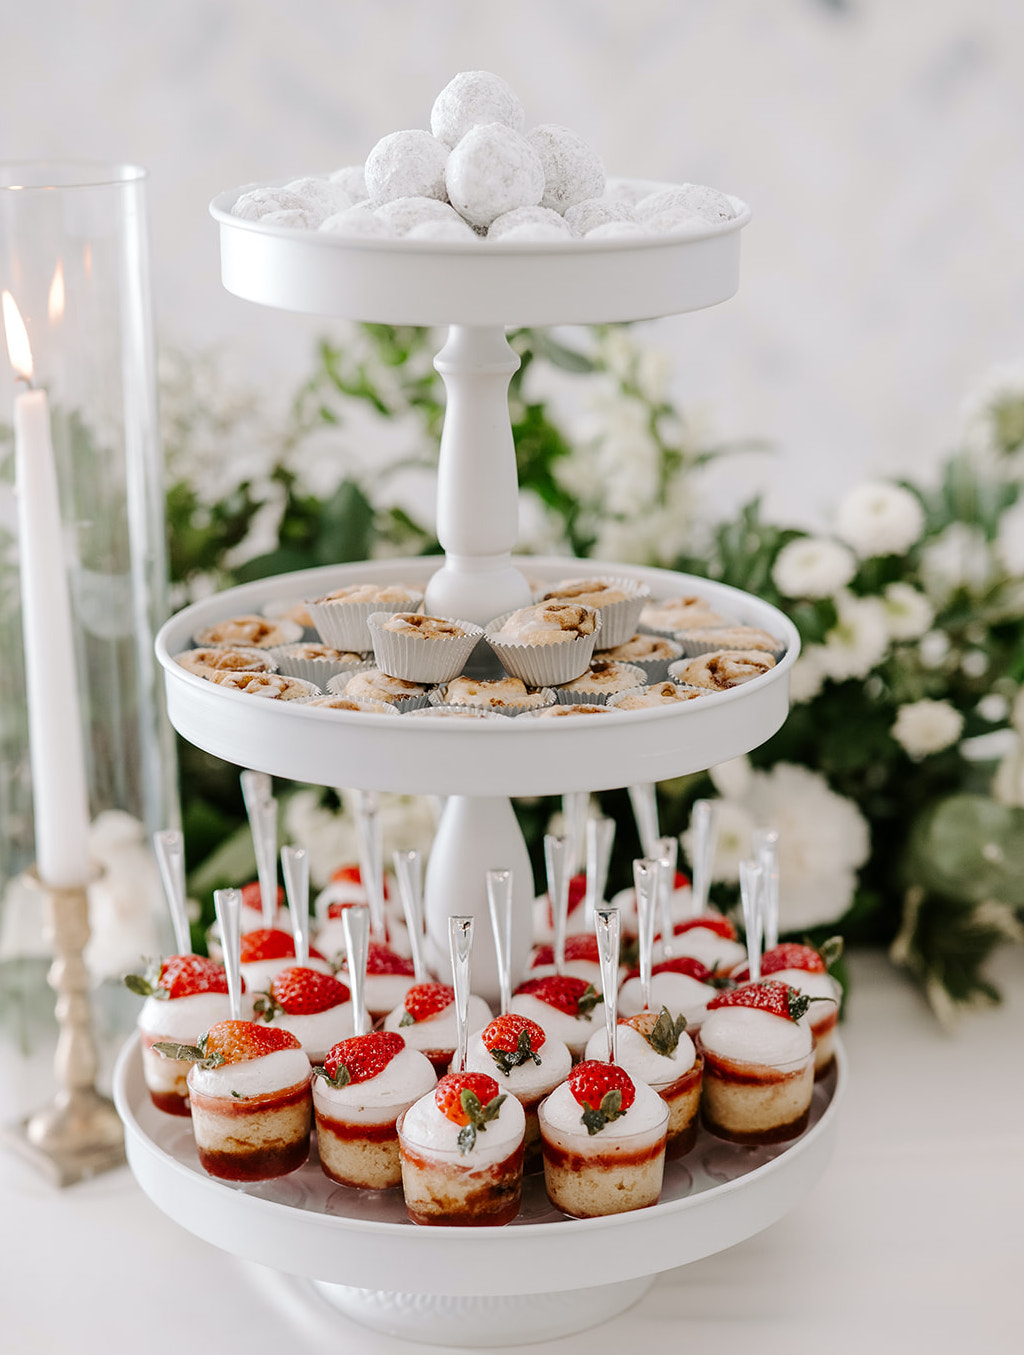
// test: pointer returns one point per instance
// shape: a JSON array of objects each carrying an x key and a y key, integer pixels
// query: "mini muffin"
[
  {"x": 554, "y": 712},
  {"x": 668, "y": 616},
  {"x": 333, "y": 702},
  {"x": 652, "y": 653},
  {"x": 372, "y": 685},
  {"x": 602, "y": 679},
  {"x": 419, "y": 648},
  {"x": 705, "y": 639},
  {"x": 619, "y": 602},
  {"x": 546, "y": 644},
  {"x": 660, "y": 694},
  {"x": 726, "y": 668},
  {"x": 212, "y": 658},
  {"x": 316, "y": 662},
  {"x": 455, "y": 713},
  {"x": 340, "y": 616},
  {"x": 272, "y": 686},
  {"x": 507, "y": 695},
  {"x": 255, "y": 632}
]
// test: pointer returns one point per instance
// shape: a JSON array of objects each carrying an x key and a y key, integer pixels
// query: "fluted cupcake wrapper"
[
  {"x": 336, "y": 687},
  {"x": 370, "y": 707},
  {"x": 342, "y": 625},
  {"x": 319, "y": 671},
  {"x": 290, "y": 633},
  {"x": 441, "y": 711},
  {"x": 439, "y": 697},
  {"x": 421, "y": 658},
  {"x": 544, "y": 665},
  {"x": 694, "y": 645},
  {"x": 575, "y": 696},
  {"x": 618, "y": 619},
  {"x": 615, "y": 702}
]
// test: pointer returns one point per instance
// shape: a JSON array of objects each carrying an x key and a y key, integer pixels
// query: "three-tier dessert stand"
[{"x": 543, "y": 1275}]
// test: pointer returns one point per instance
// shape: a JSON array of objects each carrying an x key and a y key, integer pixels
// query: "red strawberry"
[
  {"x": 777, "y": 998},
  {"x": 661, "y": 1030},
  {"x": 232, "y": 1042},
  {"x": 471, "y": 1100},
  {"x": 335, "y": 910},
  {"x": 360, "y": 1057},
  {"x": 270, "y": 943},
  {"x": 583, "y": 946},
  {"x": 180, "y": 976},
  {"x": 604, "y": 1090},
  {"x": 786, "y": 955},
  {"x": 566, "y": 994},
  {"x": 511, "y": 1040},
  {"x": 679, "y": 964},
  {"x": 252, "y": 898},
  {"x": 424, "y": 1000},
  {"x": 300, "y": 992},
  {"x": 381, "y": 959},
  {"x": 714, "y": 922},
  {"x": 577, "y": 893},
  {"x": 352, "y": 875}
]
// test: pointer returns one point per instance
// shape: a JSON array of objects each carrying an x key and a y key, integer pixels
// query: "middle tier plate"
[{"x": 518, "y": 757}]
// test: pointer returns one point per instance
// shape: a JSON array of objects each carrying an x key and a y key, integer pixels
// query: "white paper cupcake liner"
[
  {"x": 421, "y": 658},
  {"x": 618, "y": 619},
  {"x": 442, "y": 711},
  {"x": 702, "y": 642},
  {"x": 319, "y": 671},
  {"x": 439, "y": 697},
  {"x": 575, "y": 696},
  {"x": 544, "y": 665},
  {"x": 370, "y": 707},
  {"x": 343, "y": 624},
  {"x": 336, "y": 687}
]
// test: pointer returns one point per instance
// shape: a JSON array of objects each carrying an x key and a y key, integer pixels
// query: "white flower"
[
  {"x": 959, "y": 557},
  {"x": 1017, "y": 713},
  {"x": 812, "y": 567},
  {"x": 880, "y": 519},
  {"x": 806, "y": 677},
  {"x": 974, "y": 664},
  {"x": 126, "y": 900},
  {"x": 908, "y": 613},
  {"x": 858, "y": 641},
  {"x": 823, "y": 840},
  {"x": 1008, "y": 782},
  {"x": 654, "y": 374},
  {"x": 993, "y": 417},
  {"x": 732, "y": 779},
  {"x": 933, "y": 649},
  {"x": 924, "y": 727},
  {"x": 993, "y": 708},
  {"x": 1010, "y": 538}
]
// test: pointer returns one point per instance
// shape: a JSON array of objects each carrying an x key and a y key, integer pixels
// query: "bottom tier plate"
[{"x": 307, "y": 1225}]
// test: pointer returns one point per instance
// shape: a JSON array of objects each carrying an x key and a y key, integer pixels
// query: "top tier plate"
[{"x": 440, "y": 283}]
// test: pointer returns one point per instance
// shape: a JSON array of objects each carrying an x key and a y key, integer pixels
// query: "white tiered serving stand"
[{"x": 543, "y": 1275}]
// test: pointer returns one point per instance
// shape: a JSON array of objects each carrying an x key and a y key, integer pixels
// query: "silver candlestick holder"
[{"x": 78, "y": 1134}]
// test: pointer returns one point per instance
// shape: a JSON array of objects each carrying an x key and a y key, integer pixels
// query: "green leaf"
[{"x": 969, "y": 848}]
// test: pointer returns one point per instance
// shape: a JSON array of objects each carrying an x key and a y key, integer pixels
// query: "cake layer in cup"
[
  {"x": 251, "y": 1137},
  {"x": 177, "y": 1020},
  {"x": 676, "y": 1078}
]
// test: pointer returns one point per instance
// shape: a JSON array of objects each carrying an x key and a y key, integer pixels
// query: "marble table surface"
[{"x": 912, "y": 1241}]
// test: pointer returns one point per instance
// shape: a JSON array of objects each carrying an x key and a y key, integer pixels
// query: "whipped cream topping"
[
  {"x": 749, "y": 1035},
  {"x": 647, "y": 1115},
  {"x": 813, "y": 985},
  {"x": 682, "y": 994},
  {"x": 438, "y": 1031},
  {"x": 407, "y": 1077},
  {"x": 385, "y": 991},
  {"x": 640, "y": 1060},
  {"x": 184, "y": 1019},
  {"x": 258, "y": 973},
  {"x": 527, "y": 1080},
  {"x": 710, "y": 948},
  {"x": 426, "y": 1130},
  {"x": 317, "y": 1031},
  {"x": 573, "y": 1031},
  {"x": 274, "y": 1072}
]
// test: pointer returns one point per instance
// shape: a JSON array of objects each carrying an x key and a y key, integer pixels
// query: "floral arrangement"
[{"x": 897, "y": 783}]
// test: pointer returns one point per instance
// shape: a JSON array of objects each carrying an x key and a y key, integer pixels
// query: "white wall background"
[{"x": 881, "y": 146}]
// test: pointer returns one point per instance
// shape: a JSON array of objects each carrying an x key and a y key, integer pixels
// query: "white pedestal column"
[{"x": 477, "y": 834}]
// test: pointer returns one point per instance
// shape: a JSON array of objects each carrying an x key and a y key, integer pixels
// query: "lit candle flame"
[
  {"x": 55, "y": 301},
  {"x": 17, "y": 339}
]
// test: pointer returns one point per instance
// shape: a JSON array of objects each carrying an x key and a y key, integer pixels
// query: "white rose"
[
  {"x": 806, "y": 677},
  {"x": 812, "y": 567},
  {"x": 908, "y": 613},
  {"x": 858, "y": 641},
  {"x": 880, "y": 519},
  {"x": 934, "y": 649},
  {"x": 959, "y": 557},
  {"x": 925, "y": 727},
  {"x": 731, "y": 779}
]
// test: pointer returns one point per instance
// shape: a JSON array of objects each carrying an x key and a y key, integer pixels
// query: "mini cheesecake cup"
[
  {"x": 587, "y": 1176},
  {"x": 294, "y": 663},
  {"x": 166, "y": 1078},
  {"x": 754, "y": 1103},
  {"x": 358, "y": 1145},
  {"x": 343, "y": 624},
  {"x": 537, "y": 700},
  {"x": 425, "y": 658},
  {"x": 544, "y": 665},
  {"x": 683, "y": 1100},
  {"x": 619, "y": 619},
  {"x": 254, "y": 1138},
  {"x": 446, "y": 1190}
]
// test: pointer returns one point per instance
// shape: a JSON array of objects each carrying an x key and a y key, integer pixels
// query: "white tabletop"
[{"x": 912, "y": 1242}]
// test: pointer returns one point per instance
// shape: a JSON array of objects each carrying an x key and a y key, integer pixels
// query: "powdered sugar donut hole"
[
  {"x": 573, "y": 170},
  {"x": 360, "y": 220},
  {"x": 352, "y": 179},
  {"x": 493, "y": 170},
  {"x": 583, "y": 217},
  {"x": 455, "y": 231},
  {"x": 523, "y": 216},
  {"x": 289, "y": 216},
  {"x": 707, "y": 204},
  {"x": 535, "y": 233},
  {"x": 257, "y": 203},
  {"x": 405, "y": 213},
  {"x": 406, "y": 165},
  {"x": 472, "y": 98},
  {"x": 320, "y": 198}
]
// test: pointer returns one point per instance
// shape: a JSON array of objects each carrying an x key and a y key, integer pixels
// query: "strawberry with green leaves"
[
  {"x": 179, "y": 976},
  {"x": 231, "y": 1042},
  {"x": 425, "y": 1000},
  {"x": 575, "y": 997},
  {"x": 512, "y": 1040},
  {"x": 299, "y": 991},
  {"x": 661, "y": 1030},
  {"x": 794, "y": 955},
  {"x": 604, "y": 1090},
  {"x": 470, "y": 1100},
  {"x": 359, "y": 1058},
  {"x": 778, "y": 999}
]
